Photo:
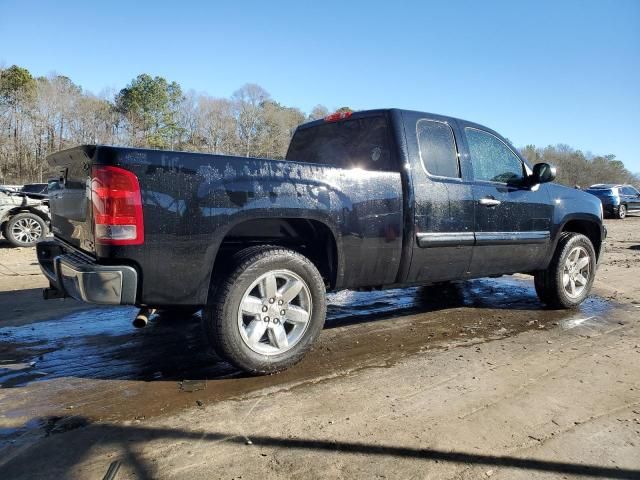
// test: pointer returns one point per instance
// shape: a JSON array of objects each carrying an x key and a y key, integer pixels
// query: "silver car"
[{"x": 23, "y": 219}]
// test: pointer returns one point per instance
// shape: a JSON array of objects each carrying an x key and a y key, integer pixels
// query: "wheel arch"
[
  {"x": 587, "y": 226},
  {"x": 312, "y": 237},
  {"x": 24, "y": 209}
]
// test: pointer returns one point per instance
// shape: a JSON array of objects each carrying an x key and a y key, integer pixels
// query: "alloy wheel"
[
  {"x": 26, "y": 230},
  {"x": 622, "y": 212},
  {"x": 274, "y": 312},
  {"x": 576, "y": 272}
]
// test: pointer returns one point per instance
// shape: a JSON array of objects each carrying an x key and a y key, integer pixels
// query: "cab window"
[
  {"x": 438, "y": 148},
  {"x": 355, "y": 143},
  {"x": 491, "y": 159}
]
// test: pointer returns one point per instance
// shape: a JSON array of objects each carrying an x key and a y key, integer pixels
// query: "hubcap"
[
  {"x": 274, "y": 312},
  {"x": 576, "y": 272},
  {"x": 26, "y": 230},
  {"x": 623, "y": 211}
]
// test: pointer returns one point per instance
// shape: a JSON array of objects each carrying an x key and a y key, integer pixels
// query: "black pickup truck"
[{"x": 369, "y": 200}]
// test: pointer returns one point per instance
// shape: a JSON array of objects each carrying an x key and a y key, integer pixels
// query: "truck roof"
[{"x": 379, "y": 111}]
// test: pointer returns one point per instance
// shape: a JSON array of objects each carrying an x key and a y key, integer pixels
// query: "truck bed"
[{"x": 195, "y": 203}]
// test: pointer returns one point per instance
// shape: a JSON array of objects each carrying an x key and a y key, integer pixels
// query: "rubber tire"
[
  {"x": 9, "y": 225},
  {"x": 622, "y": 212},
  {"x": 548, "y": 283},
  {"x": 220, "y": 318}
]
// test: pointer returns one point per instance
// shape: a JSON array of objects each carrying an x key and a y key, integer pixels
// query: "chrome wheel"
[
  {"x": 26, "y": 230},
  {"x": 576, "y": 272},
  {"x": 274, "y": 312},
  {"x": 622, "y": 211}
]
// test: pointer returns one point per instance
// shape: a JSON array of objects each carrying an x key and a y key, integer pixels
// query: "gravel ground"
[{"x": 481, "y": 382}]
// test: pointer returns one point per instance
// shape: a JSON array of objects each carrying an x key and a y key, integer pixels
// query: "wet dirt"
[{"x": 95, "y": 365}]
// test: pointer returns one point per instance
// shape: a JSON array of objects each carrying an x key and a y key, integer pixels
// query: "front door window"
[{"x": 492, "y": 160}]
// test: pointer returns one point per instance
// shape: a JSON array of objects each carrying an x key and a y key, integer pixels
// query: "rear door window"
[
  {"x": 491, "y": 159},
  {"x": 355, "y": 143},
  {"x": 438, "y": 148}
]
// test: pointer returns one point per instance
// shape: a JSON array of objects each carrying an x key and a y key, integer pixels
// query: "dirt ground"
[{"x": 474, "y": 381}]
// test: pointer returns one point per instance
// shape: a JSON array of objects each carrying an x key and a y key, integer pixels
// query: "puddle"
[{"x": 94, "y": 364}]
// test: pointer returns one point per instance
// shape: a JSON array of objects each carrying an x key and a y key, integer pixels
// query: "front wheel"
[
  {"x": 622, "y": 212},
  {"x": 268, "y": 312},
  {"x": 568, "y": 279}
]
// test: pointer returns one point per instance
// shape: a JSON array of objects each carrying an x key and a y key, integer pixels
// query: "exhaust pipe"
[
  {"x": 142, "y": 318},
  {"x": 51, "y": 293}
]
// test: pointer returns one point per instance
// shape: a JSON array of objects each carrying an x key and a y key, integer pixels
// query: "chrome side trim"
[
  {"x": 512, "y": 238},
  {"x": 445, "y": 239},
  {"x": 454, "y": 239}
]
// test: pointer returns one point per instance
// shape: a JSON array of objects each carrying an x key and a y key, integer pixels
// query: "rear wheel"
[
  {"x": 25, "y": 229},
  {"x": 268, "y": 311},
  {"x": 622, "y": 212},
  {"x": 568, "y": 279}
]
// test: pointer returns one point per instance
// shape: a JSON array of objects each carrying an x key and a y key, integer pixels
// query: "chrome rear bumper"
[{"x": 76, "y": 275}]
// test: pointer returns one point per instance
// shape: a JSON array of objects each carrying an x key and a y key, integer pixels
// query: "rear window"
[
  {"x": 600, "y": 192},
  {"x": 438, "y": 148},
  {"x": 355, "y": 143},
  {"x": 35, "y": 188}
]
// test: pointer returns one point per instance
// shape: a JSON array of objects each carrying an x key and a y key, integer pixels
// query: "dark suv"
[{"x": 617, "y": 200}]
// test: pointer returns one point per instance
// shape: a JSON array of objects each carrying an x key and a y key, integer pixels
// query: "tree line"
[
  {"x": 40, "y": 115},
  {"x": 576, "y": 168}
]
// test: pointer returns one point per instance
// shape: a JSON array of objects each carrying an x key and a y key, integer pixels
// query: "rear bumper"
[
  {"x": 611, "y": 209},
  {"x": 73, "y": 274}
]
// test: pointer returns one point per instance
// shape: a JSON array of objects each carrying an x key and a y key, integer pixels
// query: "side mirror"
[{"x": 542, "y": 173}]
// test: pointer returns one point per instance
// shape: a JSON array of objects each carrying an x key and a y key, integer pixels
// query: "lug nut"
[
  {"x": 266, "y": 319},
  {"x": 265, "y": 308},
  {"x": 282, "y": 312},
  {"x": 271, "y": 300},
  {"x": 276, "y": 321},
  {"x": 280, "y": 302}
]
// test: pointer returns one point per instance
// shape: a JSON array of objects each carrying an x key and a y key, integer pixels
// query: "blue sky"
[{"x": 541, "y": 72}]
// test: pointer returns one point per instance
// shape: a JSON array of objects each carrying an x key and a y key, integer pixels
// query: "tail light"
[
  {"x": 117, "y": 206},
  {"x": 334, "y": 117}
]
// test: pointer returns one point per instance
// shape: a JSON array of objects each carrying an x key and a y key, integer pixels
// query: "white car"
[{"x": 23, "y": 220}]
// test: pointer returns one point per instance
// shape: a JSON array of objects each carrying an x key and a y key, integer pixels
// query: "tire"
[
  {"x": 25, "y": 229},
  {"x": 567, "y": 281},
  {"x": 622, "y": 212},
  {"x": 262, "y": 279}
]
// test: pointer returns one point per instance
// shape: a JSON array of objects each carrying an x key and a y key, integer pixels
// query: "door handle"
[{"x": 489, "y": 202}]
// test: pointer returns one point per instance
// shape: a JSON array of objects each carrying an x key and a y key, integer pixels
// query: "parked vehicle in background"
[
  {"x": 369, "y": 200},
  {"x": 35, "y": 190},
  {"x": 23, "y": 220},
  {"x": 617, "y": 200}
]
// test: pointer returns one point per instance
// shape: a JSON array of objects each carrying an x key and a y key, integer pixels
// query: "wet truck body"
[{"x": 374, "y": 199}]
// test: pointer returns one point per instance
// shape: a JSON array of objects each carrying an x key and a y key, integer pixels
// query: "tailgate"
[{"x": 70, "y": 196}]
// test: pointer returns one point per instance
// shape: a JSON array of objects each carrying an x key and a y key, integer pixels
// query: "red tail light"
[
  {"x": 334, "y": 117},
  {"x": 117, "y": 206}
]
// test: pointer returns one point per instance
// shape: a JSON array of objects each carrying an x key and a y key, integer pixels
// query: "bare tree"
[
  {"x": 318, "y": 112},
  {"x": 248, "y": 102},
  {"x": 217, "y": 125}
]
